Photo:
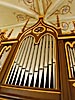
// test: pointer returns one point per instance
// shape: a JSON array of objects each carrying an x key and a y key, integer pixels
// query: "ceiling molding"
[
  {"x": 72, "y": 18},
  {"x": 30, "y": 23},
  {"x": 52, "y": 8},
  {"x": 25, "y": 10}
]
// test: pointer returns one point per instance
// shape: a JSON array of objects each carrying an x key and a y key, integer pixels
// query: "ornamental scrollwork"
[
  {"x": 20, "y": 17},
  {"x": 2, "y": 36},
  {"x": 28, "y": 3},
  {"x": 5, "y": 48},
  {"x": 65, "y": 9},
  {"x": 39, "y": 30}
]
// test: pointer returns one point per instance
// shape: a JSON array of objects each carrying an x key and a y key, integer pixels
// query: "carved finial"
[
  {"x": 25, "y": 25},
  {"x": 74, "y": 24},
  {"x": 40, "y": 17},
  {"x": 10, "y": 33},
  {"x": 58, "y": 22}
]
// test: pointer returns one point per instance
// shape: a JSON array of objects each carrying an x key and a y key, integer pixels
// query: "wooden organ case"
[{"x": 40, "y": 65}]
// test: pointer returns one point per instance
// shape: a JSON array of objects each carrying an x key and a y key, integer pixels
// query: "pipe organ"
[
  {"x": 34, "y": 64},
  {"x": 40, "y": 64}
]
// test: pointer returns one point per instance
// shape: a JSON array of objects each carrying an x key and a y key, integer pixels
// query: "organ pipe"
[
  {"x": 34, "y": 64},
  {"x": 71, "y": 57}
]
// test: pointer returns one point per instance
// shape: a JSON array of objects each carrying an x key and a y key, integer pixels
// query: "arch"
[{"x": 46, "y": 29}]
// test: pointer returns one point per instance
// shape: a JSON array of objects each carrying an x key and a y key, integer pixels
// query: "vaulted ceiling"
[{"x": 14, "y": 13}]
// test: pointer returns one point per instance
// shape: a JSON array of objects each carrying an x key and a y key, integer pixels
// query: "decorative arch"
[{"x": 38, "y": 30}]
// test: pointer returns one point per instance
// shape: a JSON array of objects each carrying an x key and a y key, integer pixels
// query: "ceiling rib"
[
  {"x": 24, "y": 10},
  {"x": 45, "y": 5},
  {"x": 36, "y": 6},
  {"x": 52, "y": 8},
  {"x": 41, "y": 9}
]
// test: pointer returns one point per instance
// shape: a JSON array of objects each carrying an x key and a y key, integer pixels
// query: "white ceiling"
[{"x": 14, "y": 13}]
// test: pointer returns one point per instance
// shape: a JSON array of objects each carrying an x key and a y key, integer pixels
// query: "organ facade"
[{"x": 38, "y": 62}]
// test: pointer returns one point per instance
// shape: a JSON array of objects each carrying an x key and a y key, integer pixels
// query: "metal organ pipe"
[
  {"x": 74, "y": 57},
  {"x": 50, "y": 60},
  {"x": 71, "y": 57},
  {"x": 27, "y": 61},
  {"x": 46, "y": 60},
  {"x": 23, "y": 59},
  {"x": 15, "y": 63},
  {"x": 54, "y": 64},
  {"x": 31, "y": 73},
  {"x": 21, "y": 62},
  {"x": 18, "y": 67},
  {"x": 34, "y": 64},
  {"x": 36, "y": 69},
  {"x": 41, "y": 61}
]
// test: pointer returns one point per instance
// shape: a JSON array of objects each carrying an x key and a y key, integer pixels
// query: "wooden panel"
[
  {"x": 63, "y": 72},
  {"x": 72, "y": 88},
  {"x": 30, "y": 93}
]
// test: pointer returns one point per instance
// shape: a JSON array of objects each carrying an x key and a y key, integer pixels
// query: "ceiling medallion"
[
  {"x": 20, "y": 17},
  {"x": 29, "y": 3},
  {"x": 65, "y": 9},
  {"x": 65, "y": 26},
  {"x": 39, "y": 30}
]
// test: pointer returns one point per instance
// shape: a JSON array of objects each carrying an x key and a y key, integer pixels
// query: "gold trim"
[
  {"x": 4, "y": 48},
  {"x": 71, "y": 80},
  {"x": 66, "y": 37},
  {"x": 8, "y": 42},
  {"x": 73, "y": 84}
]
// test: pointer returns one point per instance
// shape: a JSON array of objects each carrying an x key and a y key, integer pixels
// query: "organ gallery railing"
[{"x": 35, "y": 64}]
